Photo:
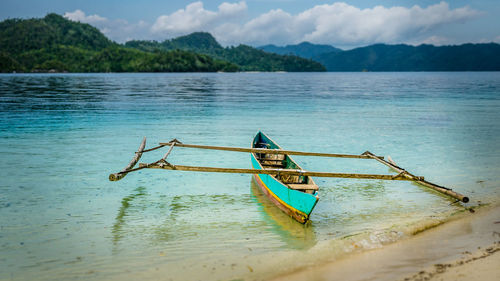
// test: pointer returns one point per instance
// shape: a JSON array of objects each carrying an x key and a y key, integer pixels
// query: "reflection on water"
[
  {"x": 295, "y": 235},
  {"x": 122, "y": 213},
  {"x": 366, "y": 190}
]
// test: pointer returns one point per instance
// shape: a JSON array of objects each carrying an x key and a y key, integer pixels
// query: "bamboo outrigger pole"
[
  {"x": 419, "y": 180},
  {"x": 126, "y": 170},
  {"x": 291, "y": 172},
  {"x": 268, "y": 151},
  {"x": 163, "y": 164}
]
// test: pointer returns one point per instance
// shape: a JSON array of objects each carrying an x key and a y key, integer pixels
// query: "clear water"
[{"x": 61, "y": 135}]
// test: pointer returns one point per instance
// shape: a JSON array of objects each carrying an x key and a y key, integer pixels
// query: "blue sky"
[{"x": 344, "y": 24}]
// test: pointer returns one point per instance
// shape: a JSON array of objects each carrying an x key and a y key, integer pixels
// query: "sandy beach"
[
  {"x": 467, "y": 248},
  {"x": 481, "y": 265}
]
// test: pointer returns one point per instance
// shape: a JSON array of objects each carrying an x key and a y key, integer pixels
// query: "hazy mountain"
[
  {"x": 381, "y": 57},
  {"x": 304, "y": 49}
]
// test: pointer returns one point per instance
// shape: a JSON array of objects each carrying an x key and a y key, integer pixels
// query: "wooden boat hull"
[{"x": 295, "y": 203}]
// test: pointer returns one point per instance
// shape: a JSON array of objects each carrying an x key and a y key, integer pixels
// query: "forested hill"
[
  {"x": 19, "y": 35},
  {"x": 246, "y": 57},
  {"x": 56, "y": 44}
]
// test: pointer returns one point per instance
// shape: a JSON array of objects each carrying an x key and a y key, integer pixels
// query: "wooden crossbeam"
[
  {"x": 292, "y": 172},
  {"x": 267, "y": 151}
]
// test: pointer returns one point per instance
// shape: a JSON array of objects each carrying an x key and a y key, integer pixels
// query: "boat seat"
[
  {"x": 302, "y": 186},
  {"x": 273, "y": 165},
  {"x": 279, "y": 163},
  {"x": 271, "y": 160},
  {"x": 268, "y": 156}
]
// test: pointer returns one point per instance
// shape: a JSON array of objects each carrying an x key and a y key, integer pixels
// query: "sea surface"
[{"x": 61, "y": 135}]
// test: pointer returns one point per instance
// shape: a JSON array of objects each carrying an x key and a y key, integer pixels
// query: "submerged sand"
[{"x": 464, "y": 249}]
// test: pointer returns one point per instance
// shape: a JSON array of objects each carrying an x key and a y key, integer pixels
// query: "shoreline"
[
  {"x": 462, "y": 244},
  {"x": 472, "y": 266}
]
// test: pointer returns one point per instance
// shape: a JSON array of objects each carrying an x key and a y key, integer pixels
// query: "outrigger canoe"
[
  {"x": 294, "y": 194},
  {"x": 280, "y": 178}
]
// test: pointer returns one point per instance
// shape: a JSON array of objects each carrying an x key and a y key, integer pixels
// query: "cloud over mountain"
[
  {"x": 338, "y": 24},
  {"x": 195, "y": 18},
  {"x": 79, "y": 15},
  {"x": 119, "y": 30}
]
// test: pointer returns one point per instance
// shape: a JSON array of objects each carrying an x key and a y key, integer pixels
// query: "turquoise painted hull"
[{"x": 296, "y": 203}]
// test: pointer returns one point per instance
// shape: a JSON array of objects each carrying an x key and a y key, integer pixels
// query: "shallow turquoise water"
[{"x": 61, "y": 135}]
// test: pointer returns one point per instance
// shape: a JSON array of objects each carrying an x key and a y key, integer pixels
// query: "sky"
[{"x": 344, "y": 24}]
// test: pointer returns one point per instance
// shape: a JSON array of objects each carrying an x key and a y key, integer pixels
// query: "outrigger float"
[{"x": 280, "y": 178}]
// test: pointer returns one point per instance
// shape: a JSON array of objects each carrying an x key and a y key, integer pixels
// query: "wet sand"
[
  {"x": 482, "y": 265},
  {"x": 467, "y": 248}
]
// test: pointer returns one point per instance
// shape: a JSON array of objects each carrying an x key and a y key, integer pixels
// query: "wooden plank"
[
  {"x": 124, "y": 172},
  {"x": 272, "y": 157},
  {"x": 268, "y": 151},
  {"x": 303, "y": 186},
  {"x": 292, "y": 172},
  {"x": 273, "y": 165},
  {"x": 419, "y": 180}
]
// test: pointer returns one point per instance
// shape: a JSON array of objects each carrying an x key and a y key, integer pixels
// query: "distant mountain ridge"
[
  {"x": 246, "y": 57},
  {"x": 382, "y": 57},
  {"x": 304, "y": 49}
]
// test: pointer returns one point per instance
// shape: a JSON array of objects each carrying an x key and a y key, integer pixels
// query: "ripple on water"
[{"x": 61, "y": 135}]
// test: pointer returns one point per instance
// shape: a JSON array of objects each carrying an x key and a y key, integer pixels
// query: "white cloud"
[
  {"x": 196, "y": 18},
  {"x": 118, "y": 30},
  {"x": 343, "y": 24},
  {"x": 433, "y": 40},
  {"x": 337, "y": 24},
  {"x": 79, "y": 15},
  {"x": 232, "y": 9}
]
